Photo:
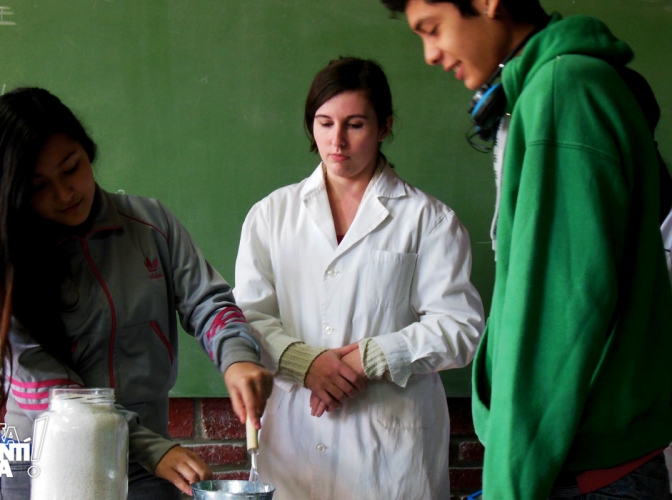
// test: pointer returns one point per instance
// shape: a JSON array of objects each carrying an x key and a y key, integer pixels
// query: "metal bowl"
[{"x": 232, "y": 490}]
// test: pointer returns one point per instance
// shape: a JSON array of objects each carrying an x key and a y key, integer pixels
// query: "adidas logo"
[{"x": 152, "y": 266}]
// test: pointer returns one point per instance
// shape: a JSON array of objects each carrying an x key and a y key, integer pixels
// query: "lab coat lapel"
[
  {"x": 314, "y": 197},
  {"x": 372, "y": 212}
]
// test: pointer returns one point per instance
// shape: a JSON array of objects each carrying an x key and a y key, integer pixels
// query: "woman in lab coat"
[{"x": 357, "y": 285}]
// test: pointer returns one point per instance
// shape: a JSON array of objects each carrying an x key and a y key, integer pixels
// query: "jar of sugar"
[{"x": 80, "y": 448}]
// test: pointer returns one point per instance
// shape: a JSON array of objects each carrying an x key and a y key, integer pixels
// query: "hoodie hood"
[{"x": 579, "y": 35}]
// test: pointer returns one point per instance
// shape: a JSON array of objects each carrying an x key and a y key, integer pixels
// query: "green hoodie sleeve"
[{"x": 565, "y": 197}]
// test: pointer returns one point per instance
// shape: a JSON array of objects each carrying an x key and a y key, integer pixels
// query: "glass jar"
[{"x": 80, "y": 448}]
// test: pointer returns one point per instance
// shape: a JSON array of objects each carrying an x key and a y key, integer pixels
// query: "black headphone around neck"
[{"x": 487, "y": 105}]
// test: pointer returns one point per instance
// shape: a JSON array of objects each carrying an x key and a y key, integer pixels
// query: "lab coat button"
[
  {"x": 321, "y": 448},
  {"x": 328, "y": 330},
  {"x": 332, "y": 272}
]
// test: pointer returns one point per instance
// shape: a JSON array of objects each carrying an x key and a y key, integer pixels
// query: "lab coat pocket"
[
  {"x": 388, "y": 278},
  {"x": 405, "y": 408}
]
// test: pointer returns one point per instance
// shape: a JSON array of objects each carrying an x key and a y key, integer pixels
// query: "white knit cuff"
[
  {"x": 296, "y": 360},
  {"x": 373, "y": 359}
]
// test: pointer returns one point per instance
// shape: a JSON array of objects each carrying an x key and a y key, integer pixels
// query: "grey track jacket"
[{"x": 129, "y": 275}]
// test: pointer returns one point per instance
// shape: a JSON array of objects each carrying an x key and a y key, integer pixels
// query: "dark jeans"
[
  {"x": 16, "y": 487},
  {"x": 648, "y": 482},
  {"x": 142, "y": 485}
]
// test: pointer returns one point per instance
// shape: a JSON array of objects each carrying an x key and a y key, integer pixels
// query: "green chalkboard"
[{"x": 199, "y": 103}]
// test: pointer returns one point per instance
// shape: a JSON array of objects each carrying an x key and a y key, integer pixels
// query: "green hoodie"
[{"x": 573, "y": 370}]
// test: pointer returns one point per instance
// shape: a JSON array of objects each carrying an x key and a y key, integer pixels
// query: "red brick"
[
  {"x": 181, "y": 418},
  {"x": 220, "y": 454},
  {"x": 461, "y": 423},
  {"x": 237, "y": 475},
  {"x": 219, "y": 420},
  {"x": 466, "y": 479},
  {"x": 471, "y": 451},
  {"x": 453, "y": 453}
]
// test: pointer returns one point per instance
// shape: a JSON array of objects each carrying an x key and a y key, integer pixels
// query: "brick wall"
[{"x": 209, "y": 427}]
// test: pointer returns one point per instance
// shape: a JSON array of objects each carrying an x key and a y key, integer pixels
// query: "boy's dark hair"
[
  {"x": 466, "y": 7},
  {"x": 343, "y": 75},
  {"x": 525, "y": 11}
]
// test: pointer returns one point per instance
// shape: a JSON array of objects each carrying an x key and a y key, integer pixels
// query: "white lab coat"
[{"x": 401, "y": 275}]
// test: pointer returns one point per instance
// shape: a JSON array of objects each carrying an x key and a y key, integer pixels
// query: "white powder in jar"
[{"x": 84, "y": 453}]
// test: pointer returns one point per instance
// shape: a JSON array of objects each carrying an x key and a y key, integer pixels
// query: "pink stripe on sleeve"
[
  {"x": 24, "y": 406},
  {"x": 44, "y": 383},
  {"x": 226, "y": 316},
  {"x": 30, "y": 395}
]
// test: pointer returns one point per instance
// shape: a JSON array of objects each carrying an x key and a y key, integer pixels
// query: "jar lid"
[{"x": 84, "y": 394}]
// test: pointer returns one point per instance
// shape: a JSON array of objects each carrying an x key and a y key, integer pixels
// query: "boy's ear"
[{"x": 492, "y": 8}]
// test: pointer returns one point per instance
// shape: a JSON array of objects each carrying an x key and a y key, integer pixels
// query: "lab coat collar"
[
  {"x": 387, "y": 185},
  {"x": 371, "y": 213}
]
